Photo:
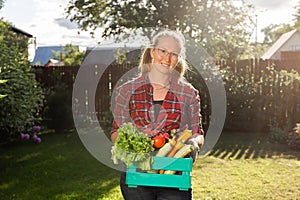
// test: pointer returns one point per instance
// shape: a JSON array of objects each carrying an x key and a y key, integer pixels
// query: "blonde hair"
[{"x": 146, "y": 58}]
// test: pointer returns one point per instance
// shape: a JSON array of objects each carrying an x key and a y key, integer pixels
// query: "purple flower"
[
  {"x": 36, "y": 128},
  {"x": 25, "y": 136},
  {"x": 22, "y": 135},
  {"x": 38, "y": 140}
]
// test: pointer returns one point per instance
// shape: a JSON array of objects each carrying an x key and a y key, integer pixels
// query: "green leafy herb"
[{"x": 132, "y": 147}]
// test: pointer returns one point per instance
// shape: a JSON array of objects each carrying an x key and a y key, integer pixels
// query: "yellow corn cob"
[
  {"x": 169, "y": 172},
  {"x": 180, "y": 154},
  {"x": 152, "y": 171},
  {"x": 164, "y": 150},
  {"x": 188, "y": 148}
]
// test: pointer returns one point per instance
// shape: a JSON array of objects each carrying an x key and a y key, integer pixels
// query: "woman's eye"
[
  {"x": 174, "y": 55},
  {"x": 163, "y": 51}
]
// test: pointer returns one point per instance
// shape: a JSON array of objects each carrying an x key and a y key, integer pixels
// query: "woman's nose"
[{"x": 167, "y": 57}]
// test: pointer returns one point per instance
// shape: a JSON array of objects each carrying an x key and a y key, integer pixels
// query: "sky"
[{"x": 46, "y": 20}]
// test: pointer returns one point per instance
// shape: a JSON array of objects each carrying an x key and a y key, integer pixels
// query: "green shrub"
[
  {"x": 277, "y": 134},
  {"x": 106, "y": 122},
  {"x": 2, "y": 95},
  {"x": 293, "y": 137},
  {"x": 24, "y": 98},
  {"x": 255, "y": 100},
  {"x": 24, "y": 95},
  {"x": 58, "y": 110},
  {"x": 242, "y": 95}
]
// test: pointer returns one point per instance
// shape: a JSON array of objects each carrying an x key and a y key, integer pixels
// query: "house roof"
[
  {"x": 105, "y": 55},
  {"x": 17, "y": 30},
  {"x": 53, "y": 62},
  {"x": 278, "y": 44},
  {"x": 43, "y": 54}
]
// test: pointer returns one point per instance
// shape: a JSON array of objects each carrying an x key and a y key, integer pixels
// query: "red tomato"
[{"x": 159, "y": 141}]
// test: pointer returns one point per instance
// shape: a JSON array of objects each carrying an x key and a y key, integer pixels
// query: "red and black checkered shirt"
[{"x": 180, "y": 108}]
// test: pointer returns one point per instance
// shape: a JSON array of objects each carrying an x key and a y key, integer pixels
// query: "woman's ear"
[
  {"x": 177, "y": 66},
  {"x": 151, "y": 52}
]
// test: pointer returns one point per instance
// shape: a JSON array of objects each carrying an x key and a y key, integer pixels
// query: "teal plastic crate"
[{"x": 134, "y": 178}]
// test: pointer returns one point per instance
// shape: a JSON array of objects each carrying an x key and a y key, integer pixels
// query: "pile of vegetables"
[
  {"x": 176, "y": 148},
  {"x": 133, "y": 147}
]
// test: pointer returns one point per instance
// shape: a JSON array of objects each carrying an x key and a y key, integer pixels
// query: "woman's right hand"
[{"x": 113, "y": 137}]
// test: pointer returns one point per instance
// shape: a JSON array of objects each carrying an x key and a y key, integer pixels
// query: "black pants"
[{"x": 152, "y": 193}]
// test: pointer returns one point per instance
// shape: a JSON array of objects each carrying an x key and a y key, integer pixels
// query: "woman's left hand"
[
  {"x": 200, "y": 140},
  {"x": 197, "y": 142}
]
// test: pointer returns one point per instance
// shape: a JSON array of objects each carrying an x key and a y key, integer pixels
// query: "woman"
[{"x": 158, "y": 101}]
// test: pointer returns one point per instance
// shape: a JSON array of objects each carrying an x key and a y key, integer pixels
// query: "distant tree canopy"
[
  {"x": 274, "y": 31},
  {"x": 1, "y": 3},
  {"x": 14, "y": 39},
  {"x": 71, "y": 55},
  {"x": 297, "y": 16},
  {"x": 222, "y": 27}
]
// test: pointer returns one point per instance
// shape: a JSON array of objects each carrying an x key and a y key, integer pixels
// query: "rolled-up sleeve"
[
  {"x": 120, "y": 108},
  {"x": 195, "y": 114}
]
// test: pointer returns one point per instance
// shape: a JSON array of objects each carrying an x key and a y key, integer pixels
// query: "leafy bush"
[
  {"x": 31, "y": 132},
  {"x": 3, "y": 95},
  {"x": 106, "y": 122},
  {"x": 242, "y": 95},
  {"x": 58, "y": 109},
  {"x": 277, "y": 134},
  {"x": 293, "y": 137},
  {"x": 254, "y": 101},
  {"x": 24, "y": 97}
]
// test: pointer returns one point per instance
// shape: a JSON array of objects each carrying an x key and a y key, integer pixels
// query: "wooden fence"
[
  {"x": 274, "y": 100},
  {"x": 269, "y": 94}
]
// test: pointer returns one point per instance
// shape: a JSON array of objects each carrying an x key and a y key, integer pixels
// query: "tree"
[
  {"x": 297, "y": 16},
  {"x": 24, "y": 95},
  {"x": 274, "y": 31},
  {"x": 220, "y": 26},
  {"x": 71, "y": 56},
  {"x": 1, "y": 4},
  {"x": 2, "y": 81}
]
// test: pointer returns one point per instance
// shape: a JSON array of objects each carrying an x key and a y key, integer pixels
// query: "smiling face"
[{"x": 165, "y": 54}]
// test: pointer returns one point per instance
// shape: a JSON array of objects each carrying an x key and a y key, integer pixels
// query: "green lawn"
[{"x": 239, "y": 167}]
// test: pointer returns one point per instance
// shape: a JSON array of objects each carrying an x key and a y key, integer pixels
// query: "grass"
[
  {"x": 241, "y": 166},
  {"x": 244, "y": 166}
]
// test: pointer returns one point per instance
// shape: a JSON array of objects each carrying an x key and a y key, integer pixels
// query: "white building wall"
[{"x": 293, "y": 44}]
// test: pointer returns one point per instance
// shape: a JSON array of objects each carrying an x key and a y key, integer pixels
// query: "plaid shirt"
[{"x": 180, "y": 108}]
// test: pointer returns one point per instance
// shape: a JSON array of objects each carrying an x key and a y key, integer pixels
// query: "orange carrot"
[{"x": 177, "y": 146}]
